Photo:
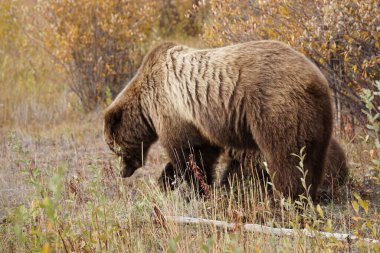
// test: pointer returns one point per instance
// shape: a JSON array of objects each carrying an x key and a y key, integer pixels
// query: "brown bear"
[
  {"x": 336, "y": 172},
  {"x": 240, "y": 165},
  {"x": 256, "y": 95}
]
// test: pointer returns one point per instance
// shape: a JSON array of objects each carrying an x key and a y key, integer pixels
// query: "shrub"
[
  {"x": 98, "y": 43},
  {"x": 341, "y": 37}
]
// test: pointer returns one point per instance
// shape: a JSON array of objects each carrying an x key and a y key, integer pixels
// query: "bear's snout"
[
  {"x": 127, "y": 171},
  {"x": 128, "y": 167}
]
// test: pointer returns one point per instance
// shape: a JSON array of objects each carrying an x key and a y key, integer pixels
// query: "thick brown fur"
[
  {"x": 337, "y": 170},
  {"x": 241, "y": 165},
  {"x": 253, "y": 95}
]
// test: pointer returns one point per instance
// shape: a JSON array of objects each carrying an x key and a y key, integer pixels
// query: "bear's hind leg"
[
  {"x": 233, "y": 172},
  {"x": 286, "y": 175},
  {"x": 315, "y": 161},
  {"x": 278, "y": 147},
  {"x": 245, "y": 165}
]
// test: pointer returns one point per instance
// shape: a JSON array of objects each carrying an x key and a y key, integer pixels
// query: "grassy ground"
[{"x": 60, "y": 192}]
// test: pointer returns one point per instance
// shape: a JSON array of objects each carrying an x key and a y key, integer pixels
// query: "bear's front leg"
[
  {"x": 168, "y": 179},
  {"x": 195, "y": 165},
  {"x": 241, "y": 165}
]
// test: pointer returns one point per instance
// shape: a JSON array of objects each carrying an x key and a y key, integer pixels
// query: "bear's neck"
[{"x": 143, "y": 120}]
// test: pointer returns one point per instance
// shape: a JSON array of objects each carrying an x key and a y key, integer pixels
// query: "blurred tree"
[
  {"x": 99, "y": 43},
  {"x": 340, "y": 36},
  {"x": 28, "y": 83},
  {"x": 196, "y": 17},
  {"x": 169, "y": 17},
  {"x": 182, "y": 17}
]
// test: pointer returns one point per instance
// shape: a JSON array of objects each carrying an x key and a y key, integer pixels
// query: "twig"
[
  {"x": 158, "y": 218},
  {"x": 63, "y": 241},
  {"x": 268, "y": 230},
  {"x": 199, "y": 176}
]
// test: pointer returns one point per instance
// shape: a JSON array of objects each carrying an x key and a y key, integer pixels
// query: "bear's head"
[
  {"x": 128, "y": 127},
  {"x": 121, "y": 139}
]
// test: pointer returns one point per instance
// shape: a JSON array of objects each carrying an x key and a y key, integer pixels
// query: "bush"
[
  {"x": 98, "y": 43},
  {"x": 341, "y": 37},
  {"x": 31, "y": 90}
]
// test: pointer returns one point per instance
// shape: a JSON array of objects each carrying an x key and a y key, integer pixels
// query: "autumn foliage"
[
  {"x": 98, "y": 45},
  {"x": 341, "y": 37}
]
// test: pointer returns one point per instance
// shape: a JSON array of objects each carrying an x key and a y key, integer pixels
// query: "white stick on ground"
[{"x": 268, "y": 230}]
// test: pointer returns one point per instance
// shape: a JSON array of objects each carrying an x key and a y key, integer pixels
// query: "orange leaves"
[
  {"x": 342, "y": 37},
  {"x": 79, "y": 24},
  {"x": 99, "y": 43}
]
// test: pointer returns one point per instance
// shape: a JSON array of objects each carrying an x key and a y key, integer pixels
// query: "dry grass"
[{"x": 61, "y": 192}]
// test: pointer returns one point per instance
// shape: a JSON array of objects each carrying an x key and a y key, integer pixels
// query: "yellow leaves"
[
  {"x": 364, "y": 204},
  {"x": 74, "y": 33},
  {"x": 46, "y": 201},
  {"x": 355, "y": 205},
  {"x": 109, "y": 69},
  {"x": 329, "y": 226},
  {"x": 82, "y": 23},
  {"x": 320, "y": 211},
  {"x": 45, "y": 248},
  {"x": 284, "y": 11},
  {"x": 49, "y": 226},
  {"x": 346, "y": 57},
  {"x": 359, "y": 202},
  {"x": 364, "y": 35},
  {"x": 364, "y": 74}
]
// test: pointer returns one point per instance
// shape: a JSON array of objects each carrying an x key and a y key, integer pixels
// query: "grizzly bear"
[
  {"x": 336, "y": 174},
  {"x": 256, "y": 95},
  {"x": 240, "y": 165}
]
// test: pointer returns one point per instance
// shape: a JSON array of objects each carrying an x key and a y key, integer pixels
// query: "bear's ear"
[{"x": 112, "y": 121}]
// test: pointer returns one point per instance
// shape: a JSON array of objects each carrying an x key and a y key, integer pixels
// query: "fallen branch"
[{"x": 269, "y": 230}]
